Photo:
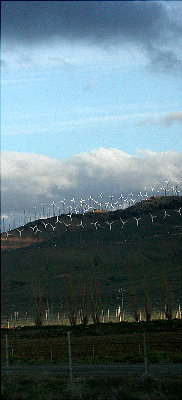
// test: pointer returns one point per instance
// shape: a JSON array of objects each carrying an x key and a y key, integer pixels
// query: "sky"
[{"x": 90, "y": 99}]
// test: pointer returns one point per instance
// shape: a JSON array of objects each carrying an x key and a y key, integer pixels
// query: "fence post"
[
  {"x": 7, "y": 355},
  {"x": 70, "y": 358},
  {"x": 145, "y": 354}
]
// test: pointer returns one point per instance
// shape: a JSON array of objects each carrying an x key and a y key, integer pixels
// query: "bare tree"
[
  {"x": 72, "y": 302},
  {"x": 167, "y": 299},
  {"x": 84, "y": 300},
  {"x": 134, "y": 303},
  {"x": 38, "y": 301},
  {"x": 95, "y": 302},
  {"x": 147, "y": 300}
]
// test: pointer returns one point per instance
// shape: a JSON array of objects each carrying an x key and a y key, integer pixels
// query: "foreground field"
[
  {"x": 113, "y": 388},
  {"x": 99, "y": 343}
]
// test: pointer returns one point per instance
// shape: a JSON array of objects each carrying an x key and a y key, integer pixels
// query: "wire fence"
[{"x": 70, "y": 349}]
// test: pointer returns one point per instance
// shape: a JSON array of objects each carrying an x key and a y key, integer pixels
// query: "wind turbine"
[
  {"x": 53, "y": 228},
  {"x": 69, "y": 207},
  {"x": 162, "y": 188},
  {"x": 35, "y": 208},
  {"x": 73, "y": 201},
  {"x": 121, "y": 197},
  {"x": 7, "y": 235},
  {"x": 45, "y": 224},
  {"x": 3, "y": 225},
  {"x": 176, "y": 188},
  {"x": 167, "y": 188},
  {"x": 33, "y": 227},
  {"x": 117, "y": 204},
  {"x": 90, "y": 200},
  {"x": 66, "y": 225},
  {"x": 63, "y": 203},
  {"x": 152, "y": 217},
  {"x": 145, "y": 195},
  {"x": 24, "y": 212},
  {"x": 123, "y": 222},
  {"x": 37, "y": 230},
  {"x": 81, "y": 224},
  {"x": 100, "y": 196},
  {"x": 53, "y": 204},
  {"x": 137, "y": 220},
  {"x": 110, "y": 224},
  {"x": 95, "y": 224},
  {"x": 20, "y": 231},
  {"x": 178, "y": 211},
  {"x": 82, "y": 202},
  {"x": 130, "y": 194},
  {"x": 157, "y": 186},
  {"x": 165, "y": 214},
  {"x": 106, "y": 205},
  {"x": 59, "y": 211},
  {"x": 57, "y": 219},
  {"x": 70, "y": 216},
  {"x": 43, "y": 209},
  {"x": 140, "y": 195},
  {"x": 14, "y": 223},
  {"x": 112, "y": 206}
]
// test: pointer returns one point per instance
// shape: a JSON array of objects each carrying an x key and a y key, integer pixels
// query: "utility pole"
[{"x": 70, "y": 358}]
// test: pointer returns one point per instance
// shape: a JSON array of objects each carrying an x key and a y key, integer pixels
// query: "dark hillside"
[{"x": 139, "y": 256}]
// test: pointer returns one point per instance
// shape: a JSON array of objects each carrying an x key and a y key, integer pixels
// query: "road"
[{"x": 95, "y": 369}]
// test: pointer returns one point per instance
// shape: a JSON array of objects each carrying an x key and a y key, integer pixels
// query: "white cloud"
[{"x": 30, "y": 179}]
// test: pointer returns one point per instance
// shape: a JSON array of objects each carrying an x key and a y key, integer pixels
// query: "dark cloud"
[
  {"x": 164, "y": 60},
  {"x": 32, "y": 21},
  {"x": 148, "y": 24},
  {"x": 154, "y": 27}
]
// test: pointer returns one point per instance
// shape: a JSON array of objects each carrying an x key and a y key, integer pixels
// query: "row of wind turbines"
[
  {"x": 82, "y": 206},
  {"x": 96, "y": 224}
]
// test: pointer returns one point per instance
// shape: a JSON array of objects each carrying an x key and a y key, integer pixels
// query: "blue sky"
[
  {"x": 61, "y": 110},
  {"x": 86, "y": 80}
]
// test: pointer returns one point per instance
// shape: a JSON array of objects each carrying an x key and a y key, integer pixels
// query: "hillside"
[{"x": 108, "y": 250}]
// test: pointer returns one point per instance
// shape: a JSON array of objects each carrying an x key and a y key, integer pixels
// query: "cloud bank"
[
  {"x": 151, "y": 26},
  {"x": 31, "y": 179}
]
